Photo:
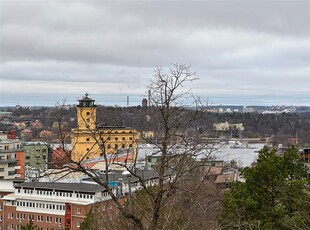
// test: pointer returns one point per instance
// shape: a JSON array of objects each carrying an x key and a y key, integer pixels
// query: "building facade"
[
  {"x": 11, "y": 158},
  {"x": 52, "y": 205},
  {"x": 91, "y": 140},
  {"x": 36, "y": 155}
]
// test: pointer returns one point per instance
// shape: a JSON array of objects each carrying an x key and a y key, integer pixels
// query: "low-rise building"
[
  {"x": 52, "y": 205},
  {"x": 26, "y": 134}
]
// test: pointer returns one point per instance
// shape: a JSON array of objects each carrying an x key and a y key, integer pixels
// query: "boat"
[{"x": 239, "y": 145}]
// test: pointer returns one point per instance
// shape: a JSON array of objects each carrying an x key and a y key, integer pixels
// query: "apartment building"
[
  {"x": 11, "y": 158},
  {"x": 53, "y": 205},
  {"x": 36, "y": 155}
]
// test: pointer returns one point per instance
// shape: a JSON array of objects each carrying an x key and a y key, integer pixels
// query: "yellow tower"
[
  {"x": 86, "y": 114},
  {"x": 91, "y": 139}
]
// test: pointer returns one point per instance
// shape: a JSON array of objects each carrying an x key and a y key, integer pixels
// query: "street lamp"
[
  {"x": 128, "y": 175},
  {"x": 129, "y": 193},
  {"x": 120, "y": 187}
]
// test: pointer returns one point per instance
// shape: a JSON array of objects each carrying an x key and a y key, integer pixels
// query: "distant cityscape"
[{"x": 274, "y": 109}]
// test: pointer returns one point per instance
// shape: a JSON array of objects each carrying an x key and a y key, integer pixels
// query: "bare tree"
[{"x": 182, "y": 150}]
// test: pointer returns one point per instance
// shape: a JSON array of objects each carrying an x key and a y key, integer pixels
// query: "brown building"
[
  {"x": 144, "y": 103},
  {"x": 52, "y": 205}
]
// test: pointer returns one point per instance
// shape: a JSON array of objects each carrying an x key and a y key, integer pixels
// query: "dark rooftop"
[{"x": 81, "y": 187}]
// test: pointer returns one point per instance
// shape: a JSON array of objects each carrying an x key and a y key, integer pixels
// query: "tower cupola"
[
  {"x": 86, "y": 113},
  {"x": 86, "y": 102}
]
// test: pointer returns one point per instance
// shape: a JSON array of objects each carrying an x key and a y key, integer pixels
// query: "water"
[{"x": 244, "y": 157}]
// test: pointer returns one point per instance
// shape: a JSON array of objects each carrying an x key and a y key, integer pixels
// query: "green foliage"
[
  {"x": 90, "y": 222},
  {"x": 30, "y": 226},
  {"x": 275, "y": 194}
]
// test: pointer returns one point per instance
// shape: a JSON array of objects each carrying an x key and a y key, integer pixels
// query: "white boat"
[{"x": 239, "y": 145}]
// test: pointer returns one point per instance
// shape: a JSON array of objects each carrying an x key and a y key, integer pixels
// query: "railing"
[
  {"x": 6, "y": 161},
  {"x": 11, "y": 150}
]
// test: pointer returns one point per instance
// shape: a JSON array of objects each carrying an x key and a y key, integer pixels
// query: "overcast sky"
[{"x": 244, "y": 52}]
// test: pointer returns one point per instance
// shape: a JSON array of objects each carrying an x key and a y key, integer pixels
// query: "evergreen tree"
[
  {"x": 275, "y": 194},
  {"x": 30, "y": 226}
]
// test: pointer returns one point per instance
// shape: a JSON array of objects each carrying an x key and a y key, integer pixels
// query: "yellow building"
[{"x": 91, "y": 139}]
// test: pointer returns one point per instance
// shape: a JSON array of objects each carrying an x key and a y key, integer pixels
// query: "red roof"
[
  {"x": 215, "y": 170},
  {"x": 26, "y": 131},
  {"x": 220, "y": 179}
]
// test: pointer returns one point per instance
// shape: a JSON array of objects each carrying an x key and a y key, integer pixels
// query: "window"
[
  {"x": 78, "y": 223},
  {"x": 87, "y": 113},
  {"x": 116, "y": 138},
  {"x": 123, "y": 146},
  {"x": 78, "y": 211},
  {"x": 109, "y": 146},
  {"x": 123, "y": 138},
  {"x": 87, "y": 139},
  {"x": 130, "y": 138},
  {"x": 116, "y": 146}
]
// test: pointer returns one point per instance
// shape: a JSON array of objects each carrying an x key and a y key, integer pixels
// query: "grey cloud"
[{"x": 237, "y": 48}]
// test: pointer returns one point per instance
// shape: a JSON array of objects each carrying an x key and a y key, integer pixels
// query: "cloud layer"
[{"x": 255, "y": 51}]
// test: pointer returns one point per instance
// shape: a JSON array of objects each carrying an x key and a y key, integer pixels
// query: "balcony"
[
  {"x": 17, "y": 167},
  {"x": 11, "y": 150},
  {"x": 7, "y": 161}
]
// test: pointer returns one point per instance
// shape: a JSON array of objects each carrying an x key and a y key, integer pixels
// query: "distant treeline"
[{"x": 281, "y": 126}]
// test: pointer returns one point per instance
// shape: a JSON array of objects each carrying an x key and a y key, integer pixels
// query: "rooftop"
[{"x": 81, "y": 187}]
